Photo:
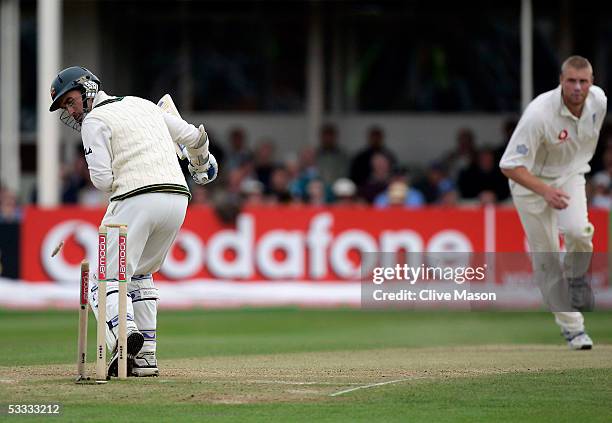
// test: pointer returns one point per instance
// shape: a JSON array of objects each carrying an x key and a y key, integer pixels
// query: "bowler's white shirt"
[{"x": 551, "y": 142}]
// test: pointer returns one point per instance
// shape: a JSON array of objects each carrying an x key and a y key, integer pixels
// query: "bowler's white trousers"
[
  {"x": 153, "y": 221},
  {"x": 542, "y": 225}
]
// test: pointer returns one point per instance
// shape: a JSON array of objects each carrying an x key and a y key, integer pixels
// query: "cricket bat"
[{"x": 167, "y": 105}]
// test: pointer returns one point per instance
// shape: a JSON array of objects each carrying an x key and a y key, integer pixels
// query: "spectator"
[
  {"x": 293, "y": 166},
  {"x": 316, "y": 193},
  {"x": 399, "y": 192},
  {"x": 238, "y": 151},
  {"x": 464, "y": 153},
  {"x": 600, "y": 196},
  {"x": 483, "y": 176},
  {"x": 235, "y": 178},
  {"x": 264, "y": 162},
  {"x": 279, "y": 187},
  {"x": 331, "y": 160},
  {"x": 379, "y": 178},
  {"x": 252, "y": 192},
  {"x": 606, "y": 158},
  {"x": 76, "y": 184},
  {"x": 507, "y": 129},
  {"x": 434, "y": 183},
  {"x": 604, "y": 144},
  {"x": 447, "y": 194},
  {"x": 361, "y": 164},
  {"x": 199, "y": 195},
  {"x": 396, "y": 194},
  {"x": 308, "y": 171},
  {"x": 599, "y": 185},
  {"x": 345, "y": 192}
]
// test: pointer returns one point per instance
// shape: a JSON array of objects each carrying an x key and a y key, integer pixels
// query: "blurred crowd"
[{"x": 327, "y": 175}]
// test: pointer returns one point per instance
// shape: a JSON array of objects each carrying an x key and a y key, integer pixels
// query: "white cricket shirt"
[
  {"x": 128, "y": 144},
  {"x": 552, "y": 143}
]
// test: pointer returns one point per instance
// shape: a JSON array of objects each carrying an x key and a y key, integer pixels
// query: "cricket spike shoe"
[
  {"x": 578, "y": 340},
  {"x": 134, "y": 343},
  {"x": 145, "y": 364}
]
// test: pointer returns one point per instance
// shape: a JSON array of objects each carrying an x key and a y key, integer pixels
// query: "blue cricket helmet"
[{"x": 73, "y": 78}]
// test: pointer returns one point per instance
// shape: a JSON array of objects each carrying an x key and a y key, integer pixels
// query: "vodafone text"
[{"x": 317, "y": 250}]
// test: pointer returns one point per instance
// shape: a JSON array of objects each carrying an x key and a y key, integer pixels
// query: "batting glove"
[{"x": 203, "y": 170}]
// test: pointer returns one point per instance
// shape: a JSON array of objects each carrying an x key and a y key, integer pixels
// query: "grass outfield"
[{"x": 322, "y": 365}]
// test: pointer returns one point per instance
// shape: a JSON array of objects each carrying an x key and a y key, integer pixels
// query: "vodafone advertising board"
[{"x": 283, "y": 244}]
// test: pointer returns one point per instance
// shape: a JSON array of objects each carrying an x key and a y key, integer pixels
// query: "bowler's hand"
[{"x": 556, "y": 198}]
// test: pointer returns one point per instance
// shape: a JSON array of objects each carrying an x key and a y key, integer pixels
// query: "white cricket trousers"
[
  {"x": 153, "y": 221},
  {"x": 542, "y": 225}
]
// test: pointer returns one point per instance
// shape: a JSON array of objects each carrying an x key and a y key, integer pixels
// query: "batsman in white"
[
  {"x": 546, "y": 160},
  {"x": 129, "y": 146}
]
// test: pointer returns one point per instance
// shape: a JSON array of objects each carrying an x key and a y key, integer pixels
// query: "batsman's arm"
[
  {"x": 202, "y": 166},
  {"x": 185, "y": 146},
  {"x": 191, "y": 141},
  {"x": 96, "y": 142},
  {"x": 194, "y": 140},
  {"x": 167, "y": 105}
]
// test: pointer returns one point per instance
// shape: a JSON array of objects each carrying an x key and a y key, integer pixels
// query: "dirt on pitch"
[{"x": 296, "y": 377}]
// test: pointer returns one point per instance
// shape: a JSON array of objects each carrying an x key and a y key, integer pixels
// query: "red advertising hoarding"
[{"x": 292, "y": 243}]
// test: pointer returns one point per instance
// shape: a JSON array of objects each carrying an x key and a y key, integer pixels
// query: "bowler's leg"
[
  {"x": 578, "y": 234},
  {"x": 540, "y": 224}
]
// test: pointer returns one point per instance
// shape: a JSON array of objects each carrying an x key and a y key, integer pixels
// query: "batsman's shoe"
[
  {"x": 581, "y": 294},
  {"x": 145, "y": 364},
  {"x": 578, "y": 340},
  {"x": 134, "y": 344}
]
